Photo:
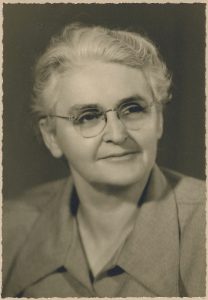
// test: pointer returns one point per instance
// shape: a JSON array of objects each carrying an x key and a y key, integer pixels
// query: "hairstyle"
[{"x": 78, "y": 44}]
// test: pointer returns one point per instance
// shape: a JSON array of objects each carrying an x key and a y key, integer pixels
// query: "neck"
[{"x": 107, "y": 206}]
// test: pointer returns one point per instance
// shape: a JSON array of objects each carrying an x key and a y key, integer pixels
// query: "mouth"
[{"x": 120, "y": 156}]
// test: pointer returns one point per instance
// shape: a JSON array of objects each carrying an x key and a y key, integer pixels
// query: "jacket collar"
[{"x": 150, "y": 255}]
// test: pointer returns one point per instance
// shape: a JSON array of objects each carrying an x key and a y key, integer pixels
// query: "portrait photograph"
[{"x": 103, "y": 152}]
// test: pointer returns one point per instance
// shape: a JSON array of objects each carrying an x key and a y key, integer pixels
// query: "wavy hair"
[{"x": 78, "y": 44}]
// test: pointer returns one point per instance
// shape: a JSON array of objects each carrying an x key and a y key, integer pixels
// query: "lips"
[{"x": 117, "y": 155}]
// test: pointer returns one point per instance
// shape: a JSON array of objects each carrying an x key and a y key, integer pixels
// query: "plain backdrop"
[{"x": 179, "y": 32}]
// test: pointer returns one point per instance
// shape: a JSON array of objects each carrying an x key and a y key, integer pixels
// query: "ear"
[
  {"x": 160, "y": 125},
  {"x": 49, "y": 137}
]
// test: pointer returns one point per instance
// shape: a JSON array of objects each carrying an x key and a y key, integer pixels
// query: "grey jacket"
[{"x": 164, "y": 256}]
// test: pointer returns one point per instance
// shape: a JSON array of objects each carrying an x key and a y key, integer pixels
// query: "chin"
[{"x": 121, "y": 179}]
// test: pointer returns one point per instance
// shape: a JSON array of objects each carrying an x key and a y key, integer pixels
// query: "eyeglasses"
[{"x": 90, "y": 121}]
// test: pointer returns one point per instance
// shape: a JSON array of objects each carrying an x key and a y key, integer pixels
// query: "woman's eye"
[
  {"x": 88, "y": 117},
  {"x": 133, "y": 108}
]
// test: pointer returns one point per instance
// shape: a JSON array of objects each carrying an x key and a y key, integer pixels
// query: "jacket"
[{"x": 163, "y": 257}]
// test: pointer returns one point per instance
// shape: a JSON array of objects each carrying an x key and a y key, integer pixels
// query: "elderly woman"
[{"x": 118, "y": 226}]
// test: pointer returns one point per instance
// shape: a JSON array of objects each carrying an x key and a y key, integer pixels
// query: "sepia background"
[{"x": 179, "y": 32}]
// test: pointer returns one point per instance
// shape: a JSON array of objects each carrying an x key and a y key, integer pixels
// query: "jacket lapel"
[{"x": 151, "y": 254}]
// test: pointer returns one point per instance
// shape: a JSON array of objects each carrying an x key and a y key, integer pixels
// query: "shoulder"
[
  {"x": 190, "y": 195},
  {"x": 35, "y": 198},
  {"x": 190, "y": 198},
  {"x": 20, "y": 214},
  {"x": 23, "y": 210},
  {"x": 188, "y": 190}
]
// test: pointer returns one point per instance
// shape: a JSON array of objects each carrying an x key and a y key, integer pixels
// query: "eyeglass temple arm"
[{"x": 69, "y": 117}]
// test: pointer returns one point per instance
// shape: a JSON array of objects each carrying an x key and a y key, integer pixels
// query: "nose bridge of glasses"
[
  {"x": 113, "y": 122},
  {"x": 111, "y": 110},
  {"x": 114, "y": 129}
]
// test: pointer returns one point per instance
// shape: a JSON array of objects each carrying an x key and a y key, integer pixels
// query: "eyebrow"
[
  {"x": 79, "y": 107},
  {"x": 137, "y": 98}
]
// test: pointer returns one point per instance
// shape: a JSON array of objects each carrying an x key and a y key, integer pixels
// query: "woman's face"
[{"x": 116, "y": 156}]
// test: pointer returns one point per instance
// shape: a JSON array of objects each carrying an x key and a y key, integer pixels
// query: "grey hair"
[{"x": 78, "y": 44}]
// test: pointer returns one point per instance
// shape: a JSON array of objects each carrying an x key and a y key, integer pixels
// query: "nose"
[{"x": 115, "y": 131}]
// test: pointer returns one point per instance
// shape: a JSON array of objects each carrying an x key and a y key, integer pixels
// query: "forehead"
[{"x": 104, "y": 84}]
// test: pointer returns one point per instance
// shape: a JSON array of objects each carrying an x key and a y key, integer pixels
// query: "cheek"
[
  {"x": 146, "y": 137},
  {"x": 77, "y": 150},
  {"x": 149, "y": 145},
  {"x": 152, "y": 133}
]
